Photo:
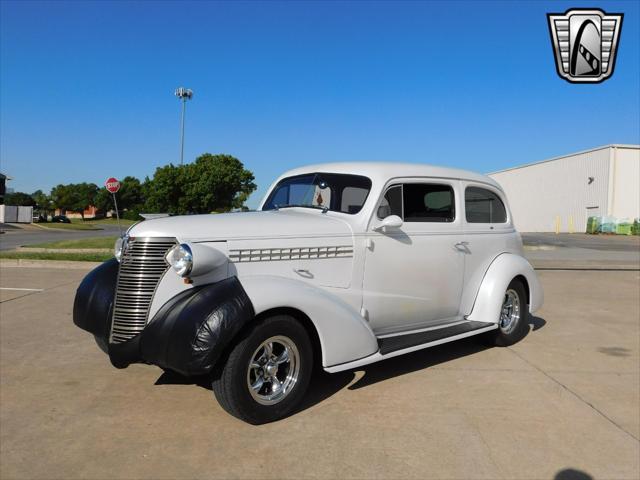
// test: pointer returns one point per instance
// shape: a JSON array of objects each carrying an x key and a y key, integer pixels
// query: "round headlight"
[
  {"x": 180, "y": 258},
  {"x": 118, "y": 247}
]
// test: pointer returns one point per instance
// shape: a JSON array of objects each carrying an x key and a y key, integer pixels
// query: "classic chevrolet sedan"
[{"x": 343, "y": 265}]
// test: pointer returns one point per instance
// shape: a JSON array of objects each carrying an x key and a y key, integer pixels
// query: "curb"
[
  {"x": 65, "y": 264},
  {"x": 54, "y": 229},
  {"x": 585, "y": 265}
]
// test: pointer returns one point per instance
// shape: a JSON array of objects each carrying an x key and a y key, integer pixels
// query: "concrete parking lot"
[{"x": 563, "y": 403}]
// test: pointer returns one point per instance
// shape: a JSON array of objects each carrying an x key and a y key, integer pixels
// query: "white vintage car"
[{"x": 343, "y": 265}]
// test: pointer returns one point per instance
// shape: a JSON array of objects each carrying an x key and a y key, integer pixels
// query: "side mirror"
[{"x": 392, "y": 222}]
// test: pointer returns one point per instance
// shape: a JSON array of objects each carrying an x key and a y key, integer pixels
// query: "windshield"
[{"x": 327, "y": 191}]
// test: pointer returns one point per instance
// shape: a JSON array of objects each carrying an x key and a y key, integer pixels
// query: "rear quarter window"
[{"x": 483, "y": 206}]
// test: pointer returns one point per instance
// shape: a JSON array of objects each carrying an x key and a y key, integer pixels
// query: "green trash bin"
[
  {"x": 608, "y": 224},
  {"x": 593, "y": 224},
  {"x": 623, "y": 228}
]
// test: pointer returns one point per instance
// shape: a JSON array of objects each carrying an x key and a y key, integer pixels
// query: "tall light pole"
[{"x": 183, "y": 94}]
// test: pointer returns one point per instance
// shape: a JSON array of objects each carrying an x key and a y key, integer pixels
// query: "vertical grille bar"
[{"x": 141, "y": 267}]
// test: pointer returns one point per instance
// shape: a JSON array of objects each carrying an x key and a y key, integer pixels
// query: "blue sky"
[{"x": 86, "y": 88}]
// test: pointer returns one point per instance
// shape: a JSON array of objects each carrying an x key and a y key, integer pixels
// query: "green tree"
[
  {"x": 104, "y": 200},
  {"x": 218, "y": 183},
  {"x": 165, "y": 192},
  {"x": 42, "y": 200},
  {"x": 75, "y": 197},
  {"x": 212, "y": 183},
  {"x": 43, "y": 203},
  {"x": 130, "y": 196},
  {"x": 19, "y": 199}
]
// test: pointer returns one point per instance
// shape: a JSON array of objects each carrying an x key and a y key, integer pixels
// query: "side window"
[
  {"x": 425, "y": 202},
  {"x": 483, "y": 206},
  {"x": 391, "y": 203}
]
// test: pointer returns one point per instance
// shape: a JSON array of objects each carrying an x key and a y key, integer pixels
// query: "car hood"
[{"x": 294, "y": 222}]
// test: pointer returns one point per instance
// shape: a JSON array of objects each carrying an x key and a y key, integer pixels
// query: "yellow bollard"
[
  {"x": 571, "y": 229},
  {"x": 558, "y": 224}
]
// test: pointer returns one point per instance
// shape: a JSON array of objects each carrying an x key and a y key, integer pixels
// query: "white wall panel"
[
  {"x": 539, "y": 193},
  {"x": 625, "y": 195}
]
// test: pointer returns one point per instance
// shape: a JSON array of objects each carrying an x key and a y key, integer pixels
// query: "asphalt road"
[
  {"x": 579, "y": 250},
  {"x": 621, "y": 243},
  {"x": 562, "y": 404},
  {"x": 30, "y": 234}
]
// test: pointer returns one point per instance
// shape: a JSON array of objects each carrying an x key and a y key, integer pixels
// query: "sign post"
[{"x": 113, "y": 185}]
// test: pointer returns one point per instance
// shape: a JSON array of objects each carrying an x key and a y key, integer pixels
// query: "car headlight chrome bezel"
[
  {"x": 180, "y": 258},
  {"x": 119, "y": 247}
]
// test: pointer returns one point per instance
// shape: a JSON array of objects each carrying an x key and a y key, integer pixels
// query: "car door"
[
  {"x": 413, "y": 274},
  {"x": 488, "y": 232}
]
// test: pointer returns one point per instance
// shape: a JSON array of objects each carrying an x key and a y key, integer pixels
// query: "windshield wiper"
[{"x": 302, "y": 205}]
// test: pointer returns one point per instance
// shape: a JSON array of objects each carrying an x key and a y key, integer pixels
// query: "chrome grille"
[{"x": 141, "y": 268}]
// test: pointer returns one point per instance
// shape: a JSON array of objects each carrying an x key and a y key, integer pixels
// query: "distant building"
[
  {"x": 565, "y": 191},
  {"x": 89, "y": 212},
  {"x": 3, "y": 187}
]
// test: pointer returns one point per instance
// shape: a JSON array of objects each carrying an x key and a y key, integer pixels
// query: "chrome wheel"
[
  {"x": 273, "y": 370},
  {"x": 510, "y": 313}
]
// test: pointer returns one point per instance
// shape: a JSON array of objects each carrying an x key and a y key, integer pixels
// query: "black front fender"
[
  {"x": 189, "y": 332},
  {"x": 93, "y": 305},
  {"x": 186, "y": 335}
]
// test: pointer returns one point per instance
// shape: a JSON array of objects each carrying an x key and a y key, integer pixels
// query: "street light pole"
[{"x": 183, "y": 94}]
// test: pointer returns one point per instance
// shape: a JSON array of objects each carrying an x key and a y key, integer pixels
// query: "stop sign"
[{"x": 112, "y": 184}]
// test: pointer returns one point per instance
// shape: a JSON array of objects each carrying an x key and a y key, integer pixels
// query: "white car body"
[{"x": 357, "y": 283}]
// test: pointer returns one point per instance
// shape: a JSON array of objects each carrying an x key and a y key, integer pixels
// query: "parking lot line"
[{"x": 24, "y": 289}]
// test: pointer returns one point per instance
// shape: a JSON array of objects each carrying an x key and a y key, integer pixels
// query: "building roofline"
[{"x": 611, "y": 145}]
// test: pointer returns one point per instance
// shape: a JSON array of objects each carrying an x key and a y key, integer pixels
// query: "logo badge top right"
[{"x": 585, "y": 42}]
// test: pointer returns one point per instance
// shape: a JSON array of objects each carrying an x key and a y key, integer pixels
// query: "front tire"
[
  {"x": 513, "y": 324},
  {"x": 267, "y": 372}
]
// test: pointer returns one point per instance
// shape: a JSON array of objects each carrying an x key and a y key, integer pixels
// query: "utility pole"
[{"x": 183, "y": 94}]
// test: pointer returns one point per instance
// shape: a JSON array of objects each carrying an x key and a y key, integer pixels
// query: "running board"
[
  {"x": 402, "y": 342},
  {"x": 390, "y": 347}
]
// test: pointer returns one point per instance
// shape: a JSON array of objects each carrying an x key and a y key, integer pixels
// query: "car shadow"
[
  {"x": 419, "y": 360},
  {"x": 572, "y": 474},
  {"x": 537, "y": 323},
  {"x": 169, "y": 377},
  {"x": 324, "y": 385},
  {"x": 428, "y": 357}
]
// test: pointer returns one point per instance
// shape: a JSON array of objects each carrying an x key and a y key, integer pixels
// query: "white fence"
[{"x": 13, "y": 214}]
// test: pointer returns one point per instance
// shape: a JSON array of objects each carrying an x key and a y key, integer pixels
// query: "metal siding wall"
[
  {"x": 539, "y": 193},
  {"x": 626, "y": 184},
  {"x": 10, "y": 214},
  {"x": 25, "y": 215}
]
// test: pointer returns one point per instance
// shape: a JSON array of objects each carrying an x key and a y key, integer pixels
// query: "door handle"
[
  {"x": 303, "y": 272},
  {"x": 462, "y": 246}
]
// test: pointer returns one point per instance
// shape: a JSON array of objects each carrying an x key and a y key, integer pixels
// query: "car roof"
[{"x": 380, "y": 172}]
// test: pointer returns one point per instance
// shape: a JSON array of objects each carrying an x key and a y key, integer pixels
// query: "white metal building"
[{"x": 567, "y": 190}]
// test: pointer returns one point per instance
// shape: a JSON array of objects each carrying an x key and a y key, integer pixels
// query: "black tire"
[
  {"x": 230, "y": 383},
  {"x": 505, "y": 337}
]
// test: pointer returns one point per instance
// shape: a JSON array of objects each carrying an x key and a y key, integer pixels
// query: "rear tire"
[
  {"x": 513, "y": 324},
  {"x": 267, "y": 372}
]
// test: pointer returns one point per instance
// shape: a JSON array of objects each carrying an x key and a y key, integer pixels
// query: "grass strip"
[
  {"x": 73, "y": 257},
  {"x": 89, "y": 242},
  {"x": 103, "y": 221}
]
